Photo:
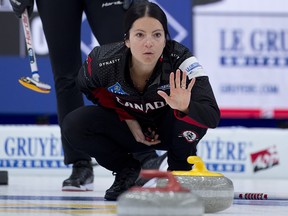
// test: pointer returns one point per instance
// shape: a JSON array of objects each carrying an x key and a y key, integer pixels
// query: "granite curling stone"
[
  {"x": 170, "y": 200},
  {"x": 215, "y": 190}
]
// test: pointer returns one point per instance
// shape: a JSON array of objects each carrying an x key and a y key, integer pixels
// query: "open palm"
[{"x": 179, "y": 97}]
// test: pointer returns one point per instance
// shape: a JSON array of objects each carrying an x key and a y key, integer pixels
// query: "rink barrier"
[{"x": 236, "y": 152}]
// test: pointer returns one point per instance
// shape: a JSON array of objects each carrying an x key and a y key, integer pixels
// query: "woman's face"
[{"x": 146, "y": 41}]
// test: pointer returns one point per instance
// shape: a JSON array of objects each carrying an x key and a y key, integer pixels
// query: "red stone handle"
[{"x": 172, "y": 184}]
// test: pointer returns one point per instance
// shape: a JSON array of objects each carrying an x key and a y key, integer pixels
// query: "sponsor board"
[
  {"x": 31, "y": 148},
  {"x": 245, "y": 54},
  {"x": 234, "y": 152},
  {"x": 243, "y": 152}
]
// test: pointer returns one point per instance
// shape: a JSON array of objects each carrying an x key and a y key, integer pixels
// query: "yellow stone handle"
[
  {"x": 199, "y": 165},
  {"x": 199, "y": 168}
]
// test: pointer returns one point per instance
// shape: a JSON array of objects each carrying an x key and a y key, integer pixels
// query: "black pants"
[
  {"x": 62, "y": 21},
  {"x": 100, "y": 133}
]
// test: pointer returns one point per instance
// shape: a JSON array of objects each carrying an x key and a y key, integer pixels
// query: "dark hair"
[{"x": 144, "y": 9}]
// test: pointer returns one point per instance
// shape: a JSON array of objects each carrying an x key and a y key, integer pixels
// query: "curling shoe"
[
  {"x": 81, "y": 178},
  {"x": 124, "y": 180},
  {"x": 153, "y": 163}
]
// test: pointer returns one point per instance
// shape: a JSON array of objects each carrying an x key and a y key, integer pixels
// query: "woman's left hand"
[
  {"x": 139, "y": 136},
  {"x": 180, "y": 94}
]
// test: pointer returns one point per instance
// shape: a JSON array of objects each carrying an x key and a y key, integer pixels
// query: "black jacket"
[{"x": 104, "y": 79}]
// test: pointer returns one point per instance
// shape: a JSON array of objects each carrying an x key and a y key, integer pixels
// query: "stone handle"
[{"x": 171, "y": 186}]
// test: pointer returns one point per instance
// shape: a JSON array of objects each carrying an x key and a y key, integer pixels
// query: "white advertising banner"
[
  {"x": 31, "y": 147},
  {"x": 234, "y": 152},
  {"x": 35, "y": 149},
  {"x": 246, "y": 152},
  {"x": 243, "y": 45}
]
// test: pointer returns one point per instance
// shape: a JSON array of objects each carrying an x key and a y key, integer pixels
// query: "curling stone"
[
  {"x": 215, "y": 190},
  {"x": 3, "y": 177},
  {"x": 170, "y": 200}
]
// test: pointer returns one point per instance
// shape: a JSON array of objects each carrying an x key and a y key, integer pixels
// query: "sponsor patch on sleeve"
[{"x": 192, "y": 68}]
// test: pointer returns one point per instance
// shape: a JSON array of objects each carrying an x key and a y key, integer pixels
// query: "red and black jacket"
[{"x": 104, "y": 79}]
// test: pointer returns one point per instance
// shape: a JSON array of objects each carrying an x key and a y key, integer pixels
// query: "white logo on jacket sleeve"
[
  {"x": 192, "y": 68},
  {"x": 190, "y": 136}
]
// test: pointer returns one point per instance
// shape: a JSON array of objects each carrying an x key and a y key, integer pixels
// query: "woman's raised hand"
[{"x": 180, "y": 92}]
